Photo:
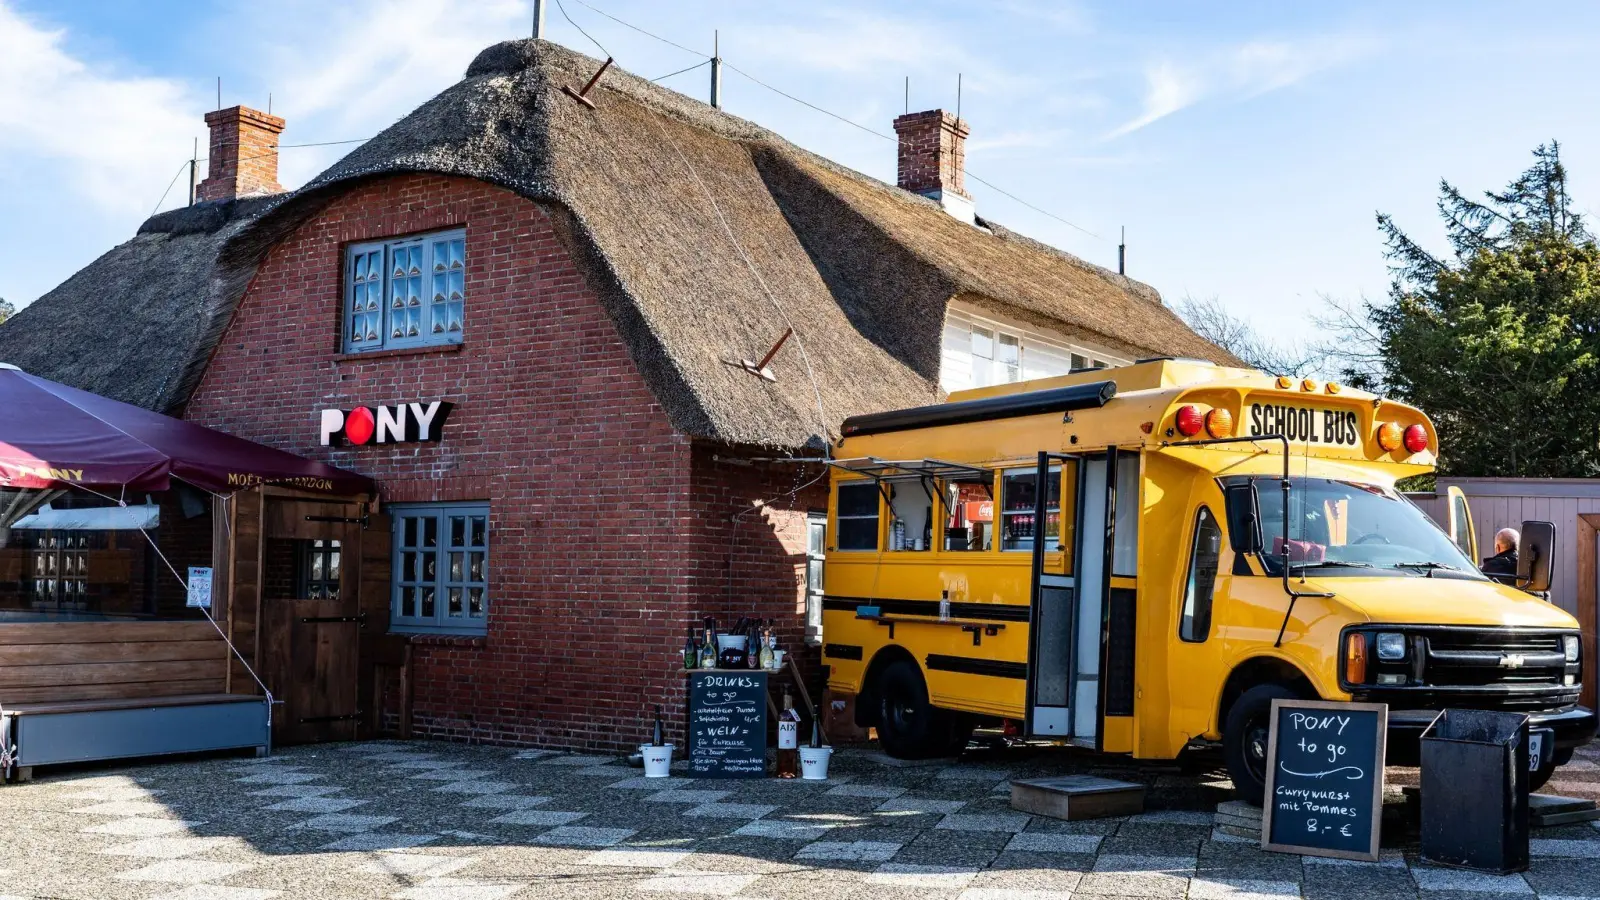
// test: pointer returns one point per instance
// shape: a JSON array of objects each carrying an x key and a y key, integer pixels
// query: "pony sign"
[{"x": 399, "y": 424}]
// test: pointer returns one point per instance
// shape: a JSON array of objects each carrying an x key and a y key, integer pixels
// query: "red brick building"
[{"x": 587, "y": 292}]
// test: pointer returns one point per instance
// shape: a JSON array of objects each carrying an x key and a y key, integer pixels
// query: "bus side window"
[
  {"x": 969, "y": 522},
  {"x": 1195, "y": 625},
  {"x": 910, "y": 516},
  {"x": 857, "y": 515},
  {"x": 1017, "y": 496}
]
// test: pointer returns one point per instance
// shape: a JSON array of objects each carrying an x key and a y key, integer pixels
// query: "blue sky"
[{"x": 1244, "y": 146}]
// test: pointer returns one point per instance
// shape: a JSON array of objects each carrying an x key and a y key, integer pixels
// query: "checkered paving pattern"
[{"x": 429, "y": 821}]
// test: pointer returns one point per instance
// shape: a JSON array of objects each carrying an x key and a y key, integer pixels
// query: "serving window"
[{"x": 75, "y": 556}]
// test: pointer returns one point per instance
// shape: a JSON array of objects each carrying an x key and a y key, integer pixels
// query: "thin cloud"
[{"x": 1240, "y": 72}]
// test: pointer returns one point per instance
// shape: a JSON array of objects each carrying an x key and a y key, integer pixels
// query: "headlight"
[
  {"x": 1569, "y": 646},
  {"x": 1391, "y": 646}
]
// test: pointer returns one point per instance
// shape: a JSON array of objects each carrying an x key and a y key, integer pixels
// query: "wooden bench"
[
  {"x": 72, "y": 731},
  {"x": 84, "y": 691}
]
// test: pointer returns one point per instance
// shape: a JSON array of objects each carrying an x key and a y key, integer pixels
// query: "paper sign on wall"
[{"x": 199, "y": 588}]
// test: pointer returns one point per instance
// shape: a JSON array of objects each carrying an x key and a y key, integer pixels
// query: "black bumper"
[{"x": 1573, "y": 727}]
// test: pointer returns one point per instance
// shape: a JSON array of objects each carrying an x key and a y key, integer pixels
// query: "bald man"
[{"x": 1502, "y": 566}]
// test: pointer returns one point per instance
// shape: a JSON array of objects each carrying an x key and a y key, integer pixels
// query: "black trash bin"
[{"x": 1475, "y": 790}]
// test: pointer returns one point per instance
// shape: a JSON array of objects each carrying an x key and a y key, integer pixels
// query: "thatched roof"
[
  {"x": 136, "y": 324},
  {"x": 862, "y": 270}
]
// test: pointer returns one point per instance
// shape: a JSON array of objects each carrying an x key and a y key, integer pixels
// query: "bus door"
[
  {"x": 1053, "y": 597},
  {"x": 1075, "y": 620}
]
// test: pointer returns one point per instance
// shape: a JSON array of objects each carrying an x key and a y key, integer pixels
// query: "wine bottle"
[
  {"x": 708, "y": 651},
  {"x": 816, "y": 732},
  {"x": 788, "y": 739},
  {"x": 766, "y": 649},
  {"x": 752, "y": 643},
  {"x": 657, "y": 737},
  {"x": 691, "y": 653}
]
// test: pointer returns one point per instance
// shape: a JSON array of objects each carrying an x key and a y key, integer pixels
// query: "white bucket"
[
  {"x": 732, "y": 641},
  {"x": 657, "y": 760},
  {"x": 814, "y": 763}
]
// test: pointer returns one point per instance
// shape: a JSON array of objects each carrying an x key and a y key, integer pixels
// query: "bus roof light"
[
  {"x": 1310, "y": 384},
  {"x": 1416, "y": 439},
  {"x": 1219, "y": 423},
  {"x": 1189, "y": 421},
  {"x": 1389, "y": 436}
]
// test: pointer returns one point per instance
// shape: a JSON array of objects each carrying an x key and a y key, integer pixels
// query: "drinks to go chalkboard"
[
  {"x": 788, "y": 739},
  {"x": 658, "y": 737},
  {"x": 691, "y": 653}
]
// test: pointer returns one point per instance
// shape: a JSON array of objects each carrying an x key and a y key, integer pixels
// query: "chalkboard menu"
[
  {"x": 728, "y": 723},
  {"x": 1325, "y": 778}
]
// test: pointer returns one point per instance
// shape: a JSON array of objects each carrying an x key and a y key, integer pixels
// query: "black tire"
[
  {"x": 1244, "y": 739},
  {"x": 909, "y": 727}
]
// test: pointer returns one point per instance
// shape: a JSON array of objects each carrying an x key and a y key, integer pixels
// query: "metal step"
[{"x": 1074, "y": 797}]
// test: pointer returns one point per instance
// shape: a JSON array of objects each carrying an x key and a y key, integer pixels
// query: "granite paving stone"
[{"x": 554, "y": 825}]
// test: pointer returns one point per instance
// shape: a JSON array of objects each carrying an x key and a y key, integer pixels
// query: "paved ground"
[{"x": 430, "y": 821}]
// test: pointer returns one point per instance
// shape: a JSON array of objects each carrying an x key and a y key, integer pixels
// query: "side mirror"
[
  {"x": 1244, "y": 525},
  {"x": 1536, "y": 556}
]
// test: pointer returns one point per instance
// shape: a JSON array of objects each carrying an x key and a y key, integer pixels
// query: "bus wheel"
[
  {"x": 1244, "y": 739},
  {"x": 908, "y": 725}
]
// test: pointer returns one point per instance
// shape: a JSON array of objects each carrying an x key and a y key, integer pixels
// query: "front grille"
[
  {"x": 1512, "y": 669},
  {"x": 1483, "y": 657}
]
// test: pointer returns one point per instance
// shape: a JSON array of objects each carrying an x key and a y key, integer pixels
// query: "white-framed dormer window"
[
  {"x": 981, "y": 349},
  {"x": 409, "y": 292},
  {"x": 996, "y": 357}
]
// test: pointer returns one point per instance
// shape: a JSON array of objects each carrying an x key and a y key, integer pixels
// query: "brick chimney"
[
  {"x": 244, "y": 154},
  {"x": 933, "y": 158}
]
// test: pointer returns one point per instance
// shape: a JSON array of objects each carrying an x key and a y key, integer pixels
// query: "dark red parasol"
[{"x": 54, "y": 436}]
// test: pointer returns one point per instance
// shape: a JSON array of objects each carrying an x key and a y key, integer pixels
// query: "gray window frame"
[
  {"x": 441, "y": 622},
  {"x": 430, "y": 271},
  {"x": 816, "y": 557}
]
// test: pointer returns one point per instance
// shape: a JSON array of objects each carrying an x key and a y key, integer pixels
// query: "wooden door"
[{"x": 311, "y": 617}]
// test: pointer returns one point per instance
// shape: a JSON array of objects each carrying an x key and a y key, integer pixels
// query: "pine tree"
[{"x": 1499, "y": 342}]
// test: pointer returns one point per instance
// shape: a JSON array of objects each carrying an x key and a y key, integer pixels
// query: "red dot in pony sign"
[{"x": 358, "y": 425}]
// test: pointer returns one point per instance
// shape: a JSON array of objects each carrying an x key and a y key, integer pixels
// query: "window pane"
[
  {"x": 458, "y": 531},
  {"x": 427, "y": 603},
  {"x": 858, "y": 499},
  {"x": 430, "y": 532},
  {"x": 480, "y": 531},
  {"x": 982, "y": 343},
  {"x": 1009, "y": 350},
  {"x": 455, "y": 603},
  {"x": 858, "y": 534},
  {"x": 475, "y": 602},
  {"x": 1125, "y": 552},
  {"x": 476, "y": 570},
  {"x": 1195, "y": 623},
  {"x": 408, "y": 602}
]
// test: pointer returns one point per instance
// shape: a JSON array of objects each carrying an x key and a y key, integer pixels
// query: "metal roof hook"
[{"x": 583, "y": 95}]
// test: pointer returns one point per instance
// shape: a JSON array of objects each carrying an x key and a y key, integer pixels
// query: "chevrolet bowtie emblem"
[{"x": 1511, "y": 661}]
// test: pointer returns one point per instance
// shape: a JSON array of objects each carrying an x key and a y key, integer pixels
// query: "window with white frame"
[
  {"x": 409, "y": 292},
  {"x": 996, "y": 357},
  {"x": 441, "y": 568}
]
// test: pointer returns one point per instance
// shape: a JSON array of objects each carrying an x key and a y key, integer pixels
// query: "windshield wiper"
[
  {"x": 1430, "y": 566},
  {"x": 1329, "y": 564}
]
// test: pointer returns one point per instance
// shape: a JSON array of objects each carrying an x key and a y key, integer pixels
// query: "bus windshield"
[{"x": 1347, "y": 527}]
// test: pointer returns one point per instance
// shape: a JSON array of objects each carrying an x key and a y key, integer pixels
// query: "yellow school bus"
[{"x": 1212, "y": 538}]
